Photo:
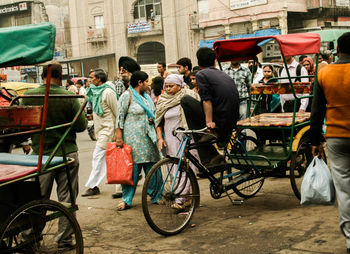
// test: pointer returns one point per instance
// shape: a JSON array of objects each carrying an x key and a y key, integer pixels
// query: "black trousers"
[{"x": 196, "y": 120}]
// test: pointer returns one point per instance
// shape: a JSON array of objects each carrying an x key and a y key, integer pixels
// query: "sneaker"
[
  {"x": 63, "y": 247},
  {"x": 91, "y": 192},
  {"x": 117, "y": 195}
]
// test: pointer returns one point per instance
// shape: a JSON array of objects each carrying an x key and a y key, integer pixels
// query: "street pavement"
[{"x": 271, "y": 222}]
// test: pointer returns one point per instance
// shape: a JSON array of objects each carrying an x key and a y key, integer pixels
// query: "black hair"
[
  {"x": 344, "y": 42},
  {"x": 196, "y": 68},
  {"x": 163, "y": 64},
  {"x": 70, "y": 82},
  {"x": 100, "y": 74},
  {"x": 158, "y": 83},
  {"x": 56, "y": 70},
  {"x": 80, "y": 82},
  {"x": 193, "y": 73},
  {"x": 185, "y": 62},
  {"x": 206, "y": 57},
  {"x": 302, "y": 57},
  {"x": 270, "y": 66},
  {"x": 136, "y": 77}
]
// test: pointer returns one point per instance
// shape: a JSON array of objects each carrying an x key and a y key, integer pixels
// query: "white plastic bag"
[{"x": 317, "y": 186}]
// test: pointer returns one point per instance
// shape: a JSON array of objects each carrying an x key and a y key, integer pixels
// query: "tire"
[
  {"x": 300, "y": 160},
  {"x": 32, "y": 228},
  {"x": 162, "y": 216},
  {"x": 91, "y": 132},
  {"x": 249, "y": 183}
]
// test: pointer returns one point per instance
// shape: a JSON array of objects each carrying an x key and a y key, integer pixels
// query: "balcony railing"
[{"x": 97, "y": 35}]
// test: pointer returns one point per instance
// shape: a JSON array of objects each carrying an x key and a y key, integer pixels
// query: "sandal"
[
  {"x": 178, "y": 207},
  {"x": 122, "y": 206}
]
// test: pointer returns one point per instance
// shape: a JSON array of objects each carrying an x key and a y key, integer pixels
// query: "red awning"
[{"x": 247, "y": 48}]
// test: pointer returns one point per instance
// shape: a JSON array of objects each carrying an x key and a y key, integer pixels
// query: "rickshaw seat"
[
  {"x": 27, "y": 160},
  {"x": 274, "y": 119},
  {"x": 20, "y": 117},
  {"x": 281, "y": 88},
  {"x": 11, "y": 172}
]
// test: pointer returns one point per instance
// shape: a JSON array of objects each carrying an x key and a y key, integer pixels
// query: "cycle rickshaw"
[
  {"x": 281, "y": 144},
  {"x": 28, "y": 222}
]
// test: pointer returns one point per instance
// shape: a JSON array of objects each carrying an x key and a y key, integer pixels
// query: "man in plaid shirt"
[{"x": 241, "y": 75}]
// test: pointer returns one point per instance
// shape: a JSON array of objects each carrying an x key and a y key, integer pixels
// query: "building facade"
[{"x": 147, "y": 30}]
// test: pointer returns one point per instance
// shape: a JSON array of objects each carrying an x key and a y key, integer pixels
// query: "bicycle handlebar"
[{"x": 200, "y": 131}]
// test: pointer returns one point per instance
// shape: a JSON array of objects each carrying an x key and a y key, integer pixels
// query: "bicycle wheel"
[
  {"x": 300, "y": 160},
  {"x": 33, "y": 227},
  {"x": 168, "y": 202},
  {"x": 248, "y": 183}
]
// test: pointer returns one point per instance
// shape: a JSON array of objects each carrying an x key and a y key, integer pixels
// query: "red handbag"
[{"x": 119, "y": 164}]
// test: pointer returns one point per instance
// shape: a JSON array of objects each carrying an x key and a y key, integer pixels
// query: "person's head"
[
  {"x": 302, "y": 57},
  {"x": 289, "y": 59},
  {"x": 139, "y": 79},
  {"x": 56, "y": 74},
  {"x": 268, "y": 71},
  {"x": 69, "y": 83},
  {"x": 161, "y": 67},
  {"x": 127, "y": 66},
  {"x": 235, "y": 64},
  {"x": 193, "y": 78},
  {"x": 158, "y": 83},
  {"x": 184, "y": 65},
  {"x": 98, "y": 77},
  {"x": 343, "y": 44},
  {"x": 173, "y": 83},
  {"x": 196, "y": 68},
  {"x": 79, "y": 84},
  {"x": 88, "y": 82},
  {"x": 327, "y": 56},
  {"x": 206, "y": 57},
  {"x": 251, "y": 64},
  {"x": 308, "y": 63}
]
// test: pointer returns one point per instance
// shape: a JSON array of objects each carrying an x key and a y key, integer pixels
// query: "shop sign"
[
  {"x": 342, "y": 3},
  {"x": 139, "y": 27},
  {"x": 238, "y": 4},
  {"x": 14, "y": 8}
]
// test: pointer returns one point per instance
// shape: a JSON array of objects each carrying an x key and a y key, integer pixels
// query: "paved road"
[{"x": 271, "y": 222}]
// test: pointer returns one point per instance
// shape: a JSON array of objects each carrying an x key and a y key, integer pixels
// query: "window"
[
  {"x": 99, "y": 22},
  {"x": 143, "y": 10},
  {"x": 23, "y": 19}
]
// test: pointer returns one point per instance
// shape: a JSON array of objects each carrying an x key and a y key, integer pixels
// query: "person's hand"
[
  {"x": 161, "y": 144},
  {"x": 318, "y": 151},
  {"x": 301, "y": 111},
  {"x": 150, "y": 121},
  {"x": 26, "y": 149},
  {"x": 119, "y": 143},
  {"x": 211, "y": 125}
]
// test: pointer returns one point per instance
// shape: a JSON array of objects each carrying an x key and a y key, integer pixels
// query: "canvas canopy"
[
  {"x": 27, "y": 45},
  {"x": 247, "y": 48}
]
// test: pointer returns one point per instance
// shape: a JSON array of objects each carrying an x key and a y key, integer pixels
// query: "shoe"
[
  {"x": 117, "y": 195},
  {"x": 63, "y": 247},
  {"x": 91, "y": 192}
]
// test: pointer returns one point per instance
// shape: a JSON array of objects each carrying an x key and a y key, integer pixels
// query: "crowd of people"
[{"x": 142, "y": 113}]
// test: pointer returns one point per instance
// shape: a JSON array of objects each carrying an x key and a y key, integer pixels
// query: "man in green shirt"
[{"x": 60, "y": 111}]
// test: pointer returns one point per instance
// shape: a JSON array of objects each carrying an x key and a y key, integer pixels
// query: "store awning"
[{"x": 80, "y": 59}]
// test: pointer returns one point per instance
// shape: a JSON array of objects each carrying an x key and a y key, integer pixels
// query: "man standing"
[
  {"x": 161, "y": 67},
  {"x": 241, "y": 77},
  {"x": 184, "y": 68},
  {"x": 220, "y": 103},
  {"x": 127, "y": 66},
  {"x": 60, "y": 111},
  {"x": 104, "y": 104},
  {"x": 295, "y": 70},
  {"x": 331, "y": 99},
  {"x": 71, "y": 87}
]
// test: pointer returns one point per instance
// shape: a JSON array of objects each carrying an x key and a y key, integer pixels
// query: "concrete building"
[{"x": 147, "y": 30}]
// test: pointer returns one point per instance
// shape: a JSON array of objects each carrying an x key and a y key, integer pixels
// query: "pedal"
[{"x": 237, "y": 202}]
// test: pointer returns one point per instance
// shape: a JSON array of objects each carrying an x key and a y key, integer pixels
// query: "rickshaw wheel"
[
  {"x": 33, "y": 227},
  {"x": 300, "y": 160},
  {"x": 162, "y": 195}
]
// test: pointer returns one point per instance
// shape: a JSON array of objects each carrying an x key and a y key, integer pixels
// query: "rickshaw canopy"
[
  {"x": 247, "y": 48},
  {"x": 27, "y": 45}
]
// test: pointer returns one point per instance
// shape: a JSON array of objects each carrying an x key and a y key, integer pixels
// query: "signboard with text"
[
  {"x": 238, "y": 4},
  {"x": 342, "y": 3},
  {"x": 14, "y": 8},
  {"x": 139, "y": 27}
]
